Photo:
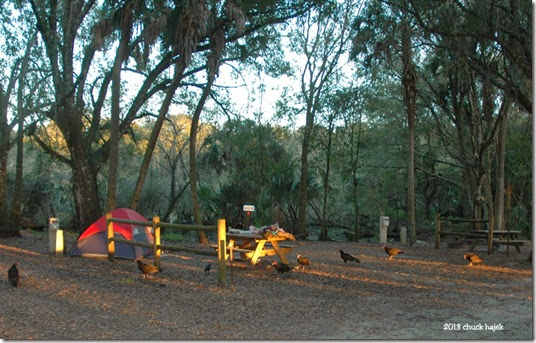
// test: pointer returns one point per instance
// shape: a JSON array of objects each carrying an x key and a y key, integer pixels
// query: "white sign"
[{"x": 248, "y": 208}]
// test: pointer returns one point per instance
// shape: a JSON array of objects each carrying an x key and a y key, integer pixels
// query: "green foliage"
[
  {"x": 46, "y": 189},
  {"x": 172, "y": 236},
  {"x": 519, "y": 173},
  {"x": 256, "y": 169}
]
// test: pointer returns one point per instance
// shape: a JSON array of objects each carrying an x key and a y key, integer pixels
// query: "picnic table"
[
  {"x": 500, "y": 237},
  {"x": 253, "y": 246}
]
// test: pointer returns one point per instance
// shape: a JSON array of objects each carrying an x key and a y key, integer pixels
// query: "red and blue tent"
[{"x": 93, "y": 242}]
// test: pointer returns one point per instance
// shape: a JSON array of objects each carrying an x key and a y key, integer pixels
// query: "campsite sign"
[{"x": 248, "y": 208}]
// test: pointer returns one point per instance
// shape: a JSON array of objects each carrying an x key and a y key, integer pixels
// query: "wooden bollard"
[
  {"x": 222, "y": 250},
  {"x": 110, "y": 235},
  {"x": 231, "y": 258},
  {"x": 156, "y": 241}
]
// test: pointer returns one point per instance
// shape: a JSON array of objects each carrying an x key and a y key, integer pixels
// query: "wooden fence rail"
[{"x": 158, "y": 247}]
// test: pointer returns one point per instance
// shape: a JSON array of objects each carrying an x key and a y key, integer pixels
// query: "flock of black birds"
[
  {"x": 346, "y": 257},
  {"x": 282, "y": 268}
]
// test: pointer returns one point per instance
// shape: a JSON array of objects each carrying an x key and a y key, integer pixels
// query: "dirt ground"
[{"x": 421, "y": 294}]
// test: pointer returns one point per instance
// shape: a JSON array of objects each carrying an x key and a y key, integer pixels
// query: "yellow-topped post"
[
  {"x": 156, "y": 241},
  {"x": 110, "y": 235},
  {"x": 222, "y": 250}
]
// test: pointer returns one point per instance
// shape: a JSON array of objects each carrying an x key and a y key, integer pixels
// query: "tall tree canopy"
[{"x": 129, "y": 103}]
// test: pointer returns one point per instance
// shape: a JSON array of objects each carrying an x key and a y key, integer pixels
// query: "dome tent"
[{"x": 93, "y": 242}]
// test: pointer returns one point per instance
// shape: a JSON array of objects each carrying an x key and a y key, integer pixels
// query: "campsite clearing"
[{"x": 422, "y": 294}]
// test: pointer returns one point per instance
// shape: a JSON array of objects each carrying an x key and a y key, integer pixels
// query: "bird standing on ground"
[
  {"x": 347, "y": 257},
  {"x": 281, "y": 267},
  {"x": 13, "y": 275},
  {"x": 392, "y": 252},
  {"x": 472, "y": 258},
  {"x": 147, "y": 269},
  {"x": 207, "y": 269},
  {"x": 303, "y": 261}
]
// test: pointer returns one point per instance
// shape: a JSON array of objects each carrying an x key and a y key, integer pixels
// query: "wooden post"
[
  {"x": 231, "y": 257},
  {"x": 156, "y": 241},
  {"x": 110, "y": 233},
  {"x": 222, "y": 251},
  {"x": 437, "y": 230}
]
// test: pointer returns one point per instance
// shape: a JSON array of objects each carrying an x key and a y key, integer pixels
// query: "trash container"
[
  {"x": 55, "y": 237},
  {"x": 384, "y": 224}
]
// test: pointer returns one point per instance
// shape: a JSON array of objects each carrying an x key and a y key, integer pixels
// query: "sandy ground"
[{"x": 421, "y": 294}]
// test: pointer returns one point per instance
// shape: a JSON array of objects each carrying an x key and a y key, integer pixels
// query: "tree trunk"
[
  {"x": 17, "y": 191},
  {"x": 324, "y": 230},
  {"x": 6, "y": 229},
  {"x": 302, "y": 202},
  {"x": 409, "y": 83},
  {"x": 489, "y": 200},
  {"x": 193, "y": 158},
  {"x": 475, "y": 190},
  {"x": 500, "y": 177},
  {"x": 144, "y": 169},
  {"x": 83, "y": 164},
  {"x": 113, "y": 158},
  {"x": 354, "y": 157},
  {"x": 86, "y": 195},
  {"x": 84, "y": 177}
]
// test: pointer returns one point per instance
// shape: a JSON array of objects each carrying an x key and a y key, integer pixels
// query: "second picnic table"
[{"x": 504, "y": 237}]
